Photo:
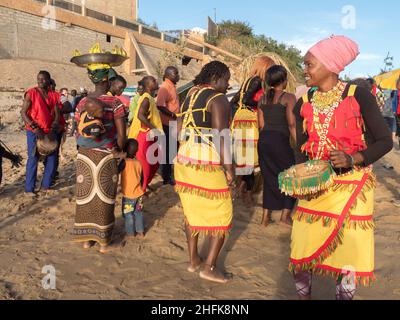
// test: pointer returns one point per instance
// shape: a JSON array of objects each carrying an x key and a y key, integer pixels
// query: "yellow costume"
[
  {"x": 200, "y": 179},
  {"x": 153, "y": 117},
  {"x": 245, "y": 133},
  {"x": 334, "y": 233}
]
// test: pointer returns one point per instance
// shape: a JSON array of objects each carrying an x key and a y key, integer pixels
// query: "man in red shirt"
[
  {"x": 41, "y": 114},
  {"x": 168, "y": 104}
]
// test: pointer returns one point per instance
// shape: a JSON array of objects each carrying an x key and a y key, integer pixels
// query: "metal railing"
[
  {"x": 151, "y": 32},
  {"x": 99, "y": 16},
  {"x": 127, "y": 24},
  {"x": 133, "y": 26},
  {"x": 66, "y": 5}
]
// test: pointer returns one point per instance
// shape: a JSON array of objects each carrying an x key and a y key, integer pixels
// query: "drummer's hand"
[
  {"x": 39, "y": 133},
  {"x": 340, "y": 159}
]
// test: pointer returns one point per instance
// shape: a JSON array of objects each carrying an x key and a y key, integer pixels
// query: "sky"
[{"x": 374, "y": 26}]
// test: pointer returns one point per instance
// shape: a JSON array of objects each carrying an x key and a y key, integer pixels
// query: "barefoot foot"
[
  {"x": 88, "y": 244},
  {"x": 108, "y": 248},
  {"x": 195, "y": 266},
  {"x": 288, "y": 222},
  {"x": 213, "y": 274},
  {"x": 141, "y": 235},
  {"x": 129, "y": 236},
  {"x": 266, "y": 220}
]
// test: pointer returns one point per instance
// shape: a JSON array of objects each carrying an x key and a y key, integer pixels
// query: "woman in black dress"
[{"x": 277, "y": 123}]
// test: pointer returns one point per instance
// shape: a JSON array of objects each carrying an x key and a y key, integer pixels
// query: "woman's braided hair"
[{"x": 211, "y": 71}]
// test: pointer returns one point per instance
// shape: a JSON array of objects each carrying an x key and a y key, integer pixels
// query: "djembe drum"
[
  {"x": 47, "y": 145},
  {"x": 308, "y": 180}
]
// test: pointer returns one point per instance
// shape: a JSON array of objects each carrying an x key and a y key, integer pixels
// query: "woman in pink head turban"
[
  {"x": 335, "y": 53},
  {"x": 333, "y": 233}
]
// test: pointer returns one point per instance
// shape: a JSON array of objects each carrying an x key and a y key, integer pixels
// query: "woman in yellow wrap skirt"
[
  {"x": 333, "y": 234},
  {"x": 203, "y": 167}
]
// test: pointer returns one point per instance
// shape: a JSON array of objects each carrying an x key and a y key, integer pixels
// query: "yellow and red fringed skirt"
[
  {"x": 203, "y": 190},
  {"x": 245, "y": 137},
  {"x": 334, "y": 233}
]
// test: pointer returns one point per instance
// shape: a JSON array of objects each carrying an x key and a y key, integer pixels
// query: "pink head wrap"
[{"x": 335, "y": 53}]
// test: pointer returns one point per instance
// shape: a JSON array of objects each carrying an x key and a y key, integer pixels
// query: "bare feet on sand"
[
  {"x": 108, "y": 248},
  {"x": 140, "y": 235},
  {"x": 286, "y": 220},
  {"x": 129, "y": 237},
  {"x": 88, "y": 244},
  {"x": 213, "y": 274},
  {"x": 195, "y": 265},
  {"x": 266, "y": 219}
]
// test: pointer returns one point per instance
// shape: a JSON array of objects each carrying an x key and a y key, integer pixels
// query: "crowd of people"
[{"x": 334, "y": 121}]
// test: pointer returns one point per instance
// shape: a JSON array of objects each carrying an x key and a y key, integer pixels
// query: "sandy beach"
[{"x": 37, "y": 232}]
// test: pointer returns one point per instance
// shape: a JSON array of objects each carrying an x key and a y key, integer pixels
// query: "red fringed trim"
[
  {"x": 334, "y": 240},
  {"x": 325, "y": 253},
  {"x": 202, "y": 192},
  {"x": 351, "y": 222},
  {"x": 198, "y": 165},
  {"x": 365, "y": 279},
  {"x": 218, "y": 232}
]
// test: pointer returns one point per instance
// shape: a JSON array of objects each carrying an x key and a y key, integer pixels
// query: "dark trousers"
[
  {"x": 166, "y": 169},
  {"x": 59, "y": 138},
  {"x": 32, "y": 165},
  {"x": 249, "y": 180}
]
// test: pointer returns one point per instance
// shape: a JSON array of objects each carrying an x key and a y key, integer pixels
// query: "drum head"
[{"x": 47, "y": 145}]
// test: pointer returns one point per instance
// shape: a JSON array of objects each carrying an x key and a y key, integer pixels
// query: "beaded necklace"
[{"x": 325, "y": 103}]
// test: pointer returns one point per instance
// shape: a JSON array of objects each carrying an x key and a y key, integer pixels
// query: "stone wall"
[
  {"x": 22, "y": 36},
  {"x": 26, "y": 47}
]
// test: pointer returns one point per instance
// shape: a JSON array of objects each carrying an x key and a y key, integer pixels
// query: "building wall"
[
  {"x": 123, "y": 9},
  {"x": 22, "y": 36}
]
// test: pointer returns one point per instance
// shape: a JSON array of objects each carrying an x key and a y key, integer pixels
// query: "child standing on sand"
[{"x": 131, "y": 183}]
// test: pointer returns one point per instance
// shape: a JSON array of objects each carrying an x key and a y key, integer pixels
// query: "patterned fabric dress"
[{"x": 97, "y": 177}]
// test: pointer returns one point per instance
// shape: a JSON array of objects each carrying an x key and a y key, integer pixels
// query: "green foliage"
[
  {"x": 235, "y": 28},
  {"x": 242, "y": 32}
]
